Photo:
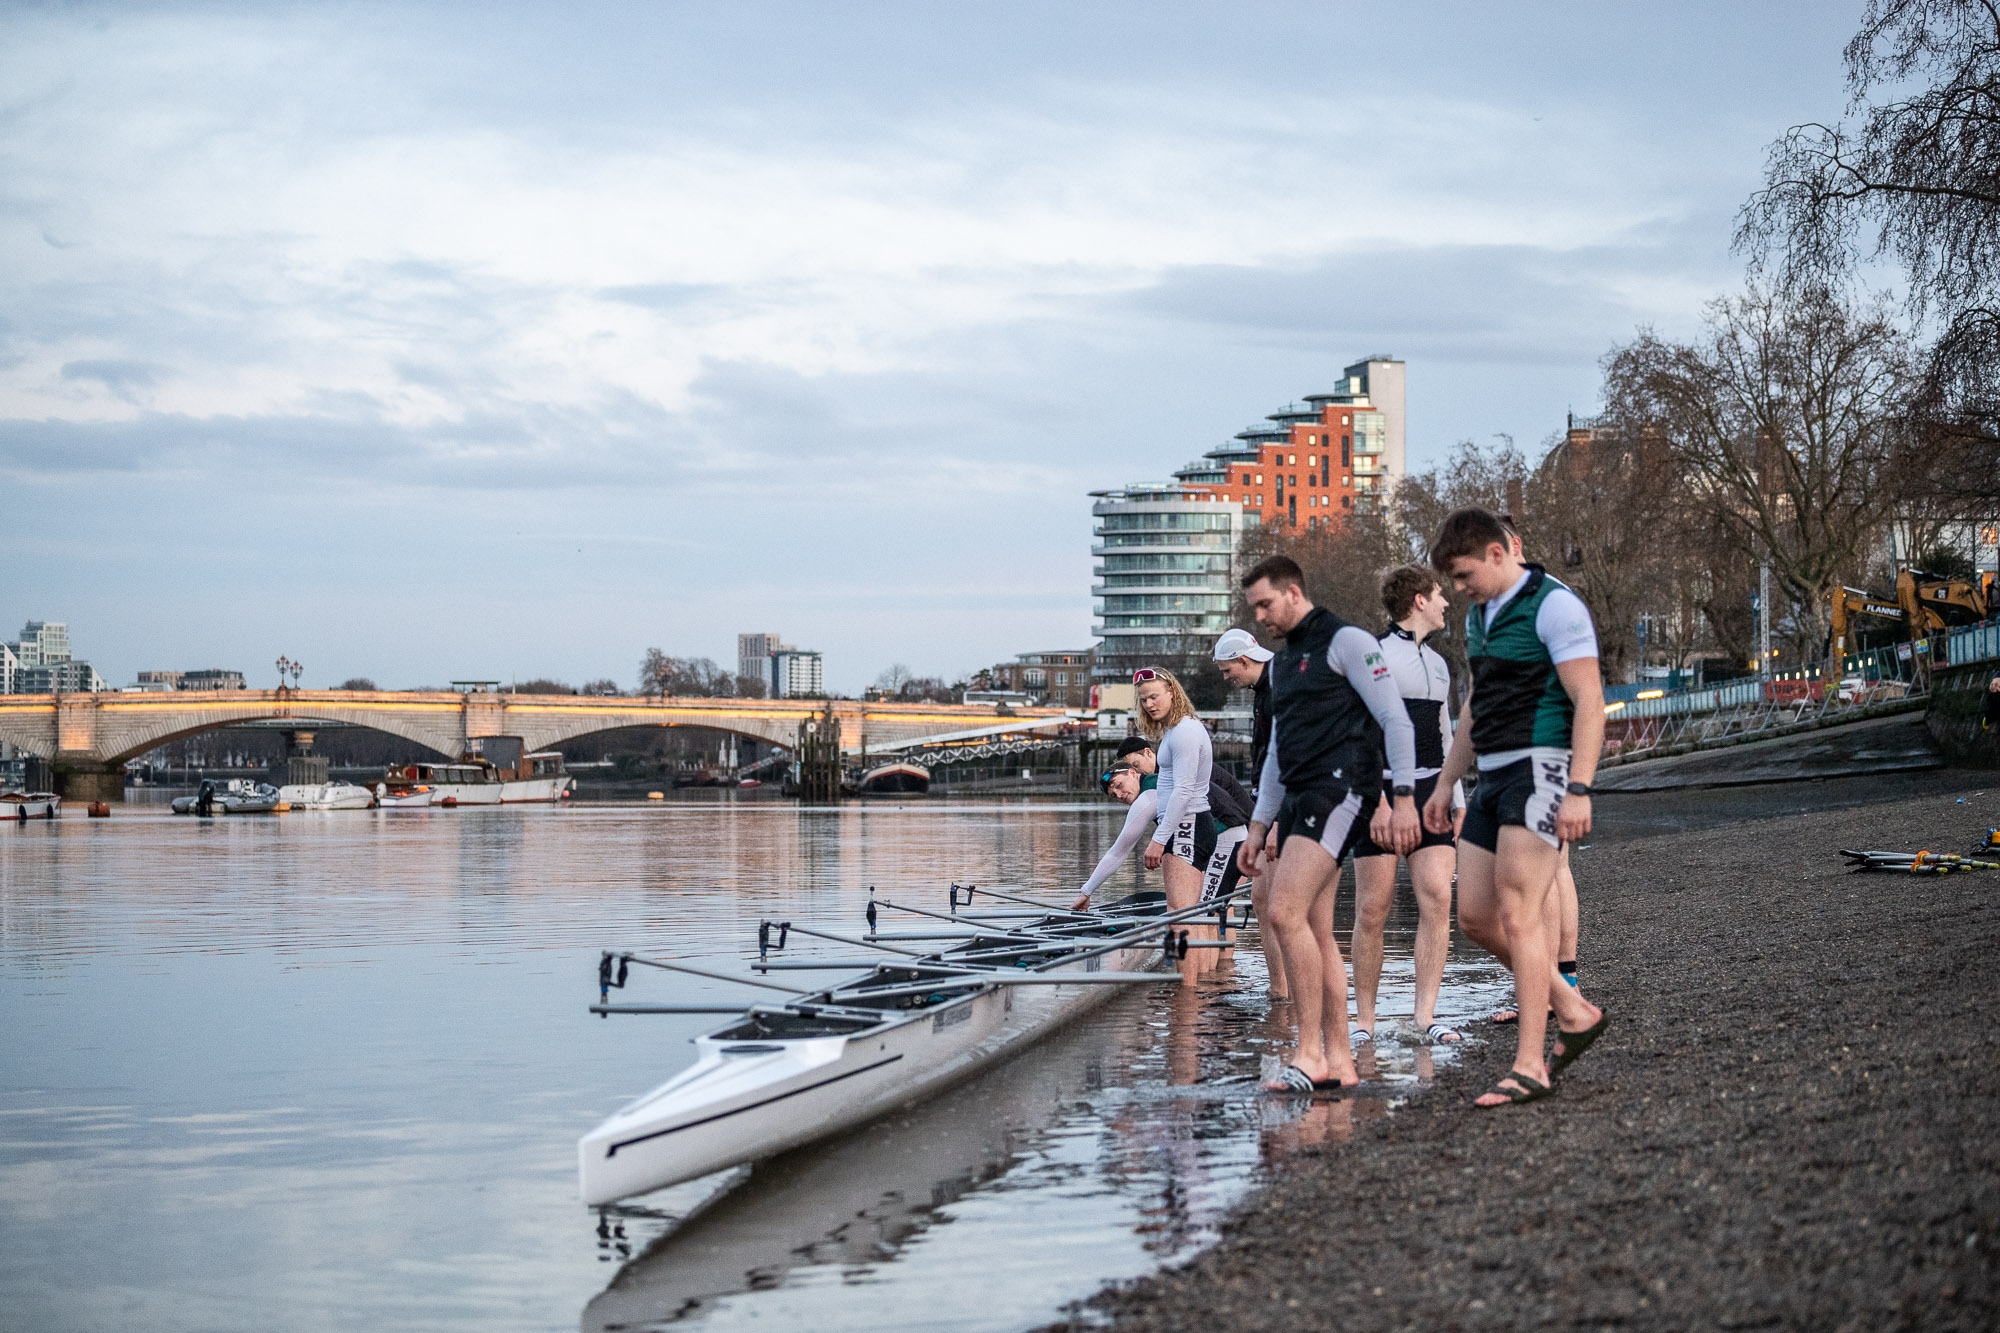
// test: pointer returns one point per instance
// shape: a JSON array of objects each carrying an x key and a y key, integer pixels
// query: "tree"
[
  {"x": 751, "y": 687},
  {"x": 356, "y": 683},
  {"x": 1912, "y": 172},
  {"x": 893, "y": 678},
  {"x": 599, "y": 687},
  {"x": 1787, "y": 422},
  {"x": 689, "y": 677},
  {"x": 542, "y": 686}
]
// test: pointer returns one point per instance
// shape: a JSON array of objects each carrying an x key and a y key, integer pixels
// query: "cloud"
[{"x": 120, "y": 377}]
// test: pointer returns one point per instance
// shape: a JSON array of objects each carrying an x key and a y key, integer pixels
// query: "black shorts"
[
  {"x": 1331, "y": 816},
  {"x": 1194, "y": 841},
  {"x": 1527, "y": 792},
  {"x": 1425, "y": 786}
]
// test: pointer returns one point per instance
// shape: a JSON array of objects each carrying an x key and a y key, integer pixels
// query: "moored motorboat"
[
  {"x": 539, "y": 777},
  {"x": 25, "y": 805},
  {"x": 783, "y": 1074},
  {"x": 326, "y": 796},
  {"x": 472, "y": 782},
  {"x": 236, "y": 796}
]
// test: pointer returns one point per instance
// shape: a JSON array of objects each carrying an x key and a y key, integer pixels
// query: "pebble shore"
[{"x": 1793, "y": 1122}]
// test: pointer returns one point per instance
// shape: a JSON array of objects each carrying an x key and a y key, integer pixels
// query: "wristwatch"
[
  {"x": 1579, "y": 789},
  {"x": 1403, "y": 789}
]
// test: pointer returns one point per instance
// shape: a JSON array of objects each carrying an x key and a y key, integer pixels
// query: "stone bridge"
[{"x": 88, "y": 737}]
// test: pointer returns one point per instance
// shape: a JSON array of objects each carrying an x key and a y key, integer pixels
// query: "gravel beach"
[{"x": 1793, "y": 1122}]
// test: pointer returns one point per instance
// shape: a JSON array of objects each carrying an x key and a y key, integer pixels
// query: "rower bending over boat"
[{"x": 1125, "y": 784}]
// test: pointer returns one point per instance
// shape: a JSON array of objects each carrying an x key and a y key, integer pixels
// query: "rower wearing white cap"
[{"x": 1241, "y": 659}]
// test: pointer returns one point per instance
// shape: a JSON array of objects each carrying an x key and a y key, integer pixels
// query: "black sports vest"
[{"x": 1321, "y": 725}]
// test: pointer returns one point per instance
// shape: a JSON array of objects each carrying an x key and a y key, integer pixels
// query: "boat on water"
[
  {"x": 25, "y": 805},
  {"x": 237, "y": 796},
  {"x": 899, "y": 1029},
  {"x": 897, "y": 777},
  {"x": 326, "y": 796},
  {"x": 538, "y": 778}
]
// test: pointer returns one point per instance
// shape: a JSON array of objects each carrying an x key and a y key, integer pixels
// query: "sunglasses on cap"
[{"x": 1144, "y": 673}]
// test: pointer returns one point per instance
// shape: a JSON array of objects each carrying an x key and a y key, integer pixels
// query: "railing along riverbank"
[{"x": 1649, "y": 722}]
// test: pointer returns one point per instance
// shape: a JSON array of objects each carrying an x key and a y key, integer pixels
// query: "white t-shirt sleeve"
[
  {"x": 1563, "y": 625},
  {"x": 1139, "y": 814}
]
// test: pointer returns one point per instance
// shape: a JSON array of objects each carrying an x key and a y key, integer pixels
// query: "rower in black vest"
[{"x": 1335, "y": 710}]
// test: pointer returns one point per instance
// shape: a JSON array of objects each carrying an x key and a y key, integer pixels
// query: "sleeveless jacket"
[
  {"x": 1326, "y": 736},
  {"x": 1518, "y": 701}
]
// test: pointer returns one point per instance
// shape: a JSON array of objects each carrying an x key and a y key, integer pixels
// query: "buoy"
[
  {"x": 282, "y": 808},
  {"x": 100, "y": 809},
  {"x": 656, "y": 796},
  {"x": 449, "y": 801}
]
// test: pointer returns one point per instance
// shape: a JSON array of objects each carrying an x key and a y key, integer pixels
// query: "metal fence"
[{"x": 1652, "y": 719}]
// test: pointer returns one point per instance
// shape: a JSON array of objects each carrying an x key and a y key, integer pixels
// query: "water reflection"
[{"x": 326, "y": 1070}]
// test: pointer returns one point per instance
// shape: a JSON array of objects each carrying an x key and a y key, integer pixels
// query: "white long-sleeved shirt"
[
  {"x": 1421, "y": 675},
  {"x": 1355, "y": 654},
  {"x": 1144, "y": 808},
  {"x": 1186, "y": 755}
]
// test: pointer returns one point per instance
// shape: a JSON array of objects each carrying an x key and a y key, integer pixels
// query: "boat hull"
[
  {"x": 523, "y": 791},
  {"x": 326, "y": 796},
  {"x": 745, "y": 1100},
  {"x": 23, "y": 806}
]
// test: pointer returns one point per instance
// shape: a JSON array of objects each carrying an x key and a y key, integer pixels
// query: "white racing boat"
[{"x": 783, "y": 1074}]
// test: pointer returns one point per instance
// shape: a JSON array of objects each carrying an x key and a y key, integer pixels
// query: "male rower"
[
  {"x": 1416, "y": 607},
  {"x": 1334, "y": 710},
  {"x": 1562, "y": 910},
  {"x": 1535, "y": 718},
  {"x": 1124, "y": 783},
  {"x": 1227, "y": 802},
  {"x": 1245, "y": 664}
]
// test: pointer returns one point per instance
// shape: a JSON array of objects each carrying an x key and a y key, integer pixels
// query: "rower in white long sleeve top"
[{"x": 1186, "y": 756}]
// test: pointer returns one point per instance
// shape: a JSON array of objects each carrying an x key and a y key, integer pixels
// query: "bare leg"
[
  {"x": 1479, "y": 916},
  {"x": 1274, "y": 951},
  {"x": 1565, "y": 896},
  {"x": 1183, "y": 885},
  {"x": 1333, "y": 980},
  {"x": 1430, "y": 878},
  {"x": 1303, "y": 869},
  {"x": 1374, "y": 895},
  {"x": 1524, "y": 876}
]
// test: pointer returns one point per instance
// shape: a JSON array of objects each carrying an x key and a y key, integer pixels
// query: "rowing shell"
[{"x": 784, "y": 1075}]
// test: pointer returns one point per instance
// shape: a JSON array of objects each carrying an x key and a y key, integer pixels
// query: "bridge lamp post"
[{"x": 287, "y": 667}]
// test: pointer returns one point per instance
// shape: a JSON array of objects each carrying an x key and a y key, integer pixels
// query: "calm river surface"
[{"x": 327, "y": 1071}]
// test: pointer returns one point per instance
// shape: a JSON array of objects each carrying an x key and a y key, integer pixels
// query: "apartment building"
[{"x": 1059, "y": 678}]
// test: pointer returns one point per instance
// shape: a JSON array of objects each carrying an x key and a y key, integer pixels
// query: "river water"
[{"x": 327, "y": 1071}]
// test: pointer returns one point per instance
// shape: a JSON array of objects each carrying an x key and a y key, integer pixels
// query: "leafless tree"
[
  {"x": 693, "y": 677},
  {"x": 1912, "y": 172},
  {"x": 1787, "y": 422}
]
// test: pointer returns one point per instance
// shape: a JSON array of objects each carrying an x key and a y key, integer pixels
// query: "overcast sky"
[{"x": 426, "y": 342}]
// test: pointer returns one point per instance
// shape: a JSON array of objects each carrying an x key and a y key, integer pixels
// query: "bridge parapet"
[{"x": 93, "y": 734}]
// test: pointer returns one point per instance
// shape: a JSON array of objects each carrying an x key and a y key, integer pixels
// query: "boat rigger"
[{"x": 790, "y": 1071}]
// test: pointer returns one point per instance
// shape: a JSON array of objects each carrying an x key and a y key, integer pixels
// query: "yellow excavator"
[{"x": 1924, "y": 604}]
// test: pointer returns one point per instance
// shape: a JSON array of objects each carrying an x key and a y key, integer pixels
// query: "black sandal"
[
  {"x": 1574, "y": 1044},
  {"x": 1527, "y": 1089}
]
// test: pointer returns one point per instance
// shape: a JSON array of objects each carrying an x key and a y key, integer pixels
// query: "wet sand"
[{"x": 1793, "y": 1122}]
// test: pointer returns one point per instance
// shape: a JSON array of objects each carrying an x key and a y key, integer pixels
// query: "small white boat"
[
  {"x": 897, "y": 777},
  {"x": 326, "y": 796},
  {"x": 237, "y": 796},
  {"x": 785, "y": 1074},
  {"x": 25, "y": 805}
]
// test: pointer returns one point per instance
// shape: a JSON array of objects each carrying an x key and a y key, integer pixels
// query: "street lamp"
[{"x": 287, "y": 667}]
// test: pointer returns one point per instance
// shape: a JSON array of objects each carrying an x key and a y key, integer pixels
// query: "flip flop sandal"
[
  {"x": 1437, "y": 1034},
  {"x": 1292, "y": 1081},
  {"x": 1526, "y": 1089},
  {"x": 1574, "y": 1044},
  {"x": 1296, "y": 1082},
  {"x": 1359, "y": 1035}
]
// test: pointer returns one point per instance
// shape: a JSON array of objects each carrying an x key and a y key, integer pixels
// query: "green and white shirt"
[{"x": 1513, "y": 645}]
